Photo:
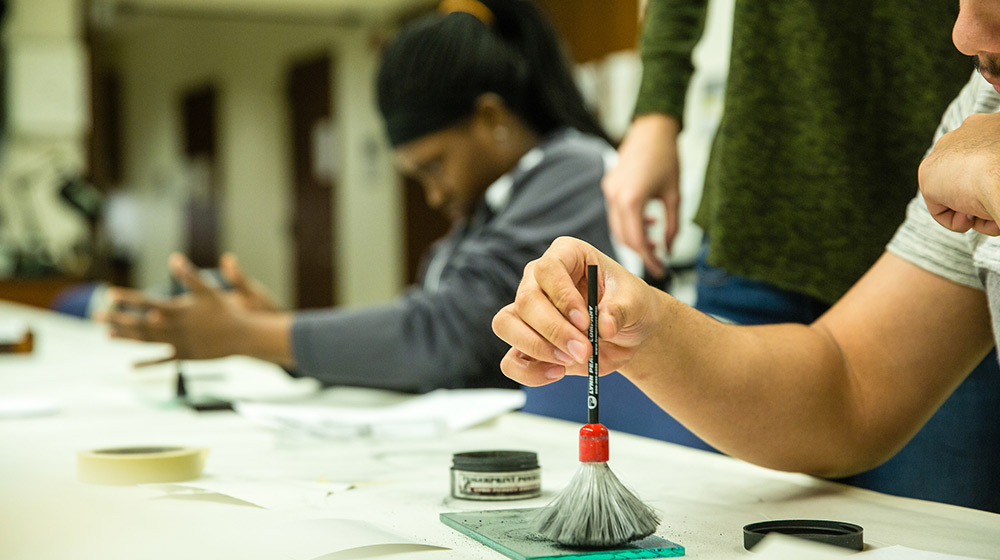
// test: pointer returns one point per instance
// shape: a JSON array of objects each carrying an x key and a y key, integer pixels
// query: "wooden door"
[
  {"x": 199, "y": 113},
  {"x": 424, "y": 226},
  {"x": 310, "y": 98}
]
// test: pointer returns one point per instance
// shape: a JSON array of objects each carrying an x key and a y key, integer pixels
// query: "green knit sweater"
[{"x": 829, "y": 108}]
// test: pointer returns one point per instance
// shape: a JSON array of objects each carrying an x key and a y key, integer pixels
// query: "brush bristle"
[{"x": 596, "y": 509}]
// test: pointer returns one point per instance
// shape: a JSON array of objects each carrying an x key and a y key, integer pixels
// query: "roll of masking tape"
[{"x": 139, "y": 465}]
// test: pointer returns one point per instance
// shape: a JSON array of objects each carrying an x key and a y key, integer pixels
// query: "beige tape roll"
[{"x": 138, "y": 465}]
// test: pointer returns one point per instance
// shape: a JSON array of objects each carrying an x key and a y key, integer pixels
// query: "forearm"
[
  {"x": 778, "y": 396},
  {"x": 839, "y": 396}
]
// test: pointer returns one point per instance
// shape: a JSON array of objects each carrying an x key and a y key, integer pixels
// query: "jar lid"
[
  {"x": 495, "y": 461},
  {"x": 838, "y": 533}
]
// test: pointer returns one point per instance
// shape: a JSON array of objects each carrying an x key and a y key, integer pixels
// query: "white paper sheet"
[
  {"x": 429, "y": 415},
  {"x": 783, "y": 547},
  {"x": 26, "y": 406},
  {"x": 776, "y": 546},
  {"x": 165, "y": 529},
  {"x": 231, "y": 379},
  {"x": 279, "y": 495},
  {"x": 905, "y": 553},
  {"x": 13, "y": 331},
  {"x": 316, "y": 542}
]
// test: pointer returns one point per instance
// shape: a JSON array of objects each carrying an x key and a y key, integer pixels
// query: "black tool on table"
[{"x": 199, "y": 403}]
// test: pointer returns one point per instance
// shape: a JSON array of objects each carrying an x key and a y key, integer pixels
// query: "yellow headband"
[{"x": 473, "y": 7}]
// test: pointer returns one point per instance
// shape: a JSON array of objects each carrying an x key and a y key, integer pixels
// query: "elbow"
[
  {"x": 845, "y": 453},
  {"x": 841, "y": 469},
  {"x": 844, "y": 460}
]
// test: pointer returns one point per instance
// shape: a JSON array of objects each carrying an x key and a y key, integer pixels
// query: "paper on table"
[
  {"x": 428, "y": 415},
  {"x": 231, "y": 378},
  {"x": 783, "y": 547},
  {"x": 350, "y": 534},
  {"x": 269, "y": 494},
  {"x": 776, "y": 546},
  {"x": 247, "y": 379},
  {"x": 25, "y": 406},
  {"x": 904, "y": 553},
  {"x": 12, "y": 331},
  {"x": 302, "y": 539},
  {"x": 155, "y": 530}
]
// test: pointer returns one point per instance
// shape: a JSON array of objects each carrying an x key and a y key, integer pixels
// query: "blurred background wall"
[{"x": 135, "y": 128}]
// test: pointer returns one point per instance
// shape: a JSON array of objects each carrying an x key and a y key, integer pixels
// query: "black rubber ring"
[{"x": 838, "y": 533}]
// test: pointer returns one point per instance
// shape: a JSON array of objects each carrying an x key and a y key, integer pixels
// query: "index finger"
[
  {"x": 551, "y": 299},
  {"x": 626, "y": 219},
  {"x": 671, "y": 212},
  {"x": 950, "y": 219},
  {"x": 629, "y": 226},
  {"x": 186, "y": 273}
]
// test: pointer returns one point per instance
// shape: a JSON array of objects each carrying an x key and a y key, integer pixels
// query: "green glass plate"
[{"x": 508, "y": 531}]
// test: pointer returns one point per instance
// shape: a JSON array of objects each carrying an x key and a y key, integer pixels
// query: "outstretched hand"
[
  {"x": 960, "y": 179},
  {"x": 201, "y": 324},
  {"x": 547, "y": 323}
]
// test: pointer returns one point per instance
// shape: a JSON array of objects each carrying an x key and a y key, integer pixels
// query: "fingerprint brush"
[{"x": 595, "y": 509}]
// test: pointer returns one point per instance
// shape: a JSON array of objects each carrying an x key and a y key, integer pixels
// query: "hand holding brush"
[{"x": 595, "y": 509}]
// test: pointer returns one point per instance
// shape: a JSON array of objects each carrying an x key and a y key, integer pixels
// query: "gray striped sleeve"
[{"x": 929, "y": 245}]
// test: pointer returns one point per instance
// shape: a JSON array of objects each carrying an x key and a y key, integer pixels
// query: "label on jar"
[{"x": 512, "y": 485}]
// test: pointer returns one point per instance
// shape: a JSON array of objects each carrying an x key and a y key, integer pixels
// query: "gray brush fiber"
[{"x": 596, "y": 510}]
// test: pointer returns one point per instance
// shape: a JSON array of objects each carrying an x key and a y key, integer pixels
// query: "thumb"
[
  {"x": 233, "y": 274},
  {"x": 622, "y": 310}
]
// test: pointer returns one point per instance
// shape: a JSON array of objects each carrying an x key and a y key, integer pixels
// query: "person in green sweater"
[{"x": 828, "y": 111}]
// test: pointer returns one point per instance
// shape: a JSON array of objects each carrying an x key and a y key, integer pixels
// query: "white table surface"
[{"x": 400, "y": 486}]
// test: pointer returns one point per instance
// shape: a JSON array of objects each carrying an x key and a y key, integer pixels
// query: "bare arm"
[{"x": 832, "y": 398}]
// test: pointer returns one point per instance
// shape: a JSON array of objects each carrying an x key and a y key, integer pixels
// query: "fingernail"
[
  {"x": 578, "y": 319},
  {"x": 579, "y": 351},
  {"x": 555, "y": 372},
  {"x": 564, "y": 358}
]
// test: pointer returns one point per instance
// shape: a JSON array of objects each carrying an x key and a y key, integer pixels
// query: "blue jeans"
[
  {"x": 955, "y": 458},
  {"x": 623, "y": 407}
]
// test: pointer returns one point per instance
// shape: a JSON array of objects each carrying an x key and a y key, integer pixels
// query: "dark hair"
[{"x": 435, "y": 68}]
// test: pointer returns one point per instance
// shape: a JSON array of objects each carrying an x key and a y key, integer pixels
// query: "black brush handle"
[{"x": 592, "y": 376}]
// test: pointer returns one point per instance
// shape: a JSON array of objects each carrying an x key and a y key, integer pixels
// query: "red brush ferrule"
[{"x": 593, "y": 443}]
